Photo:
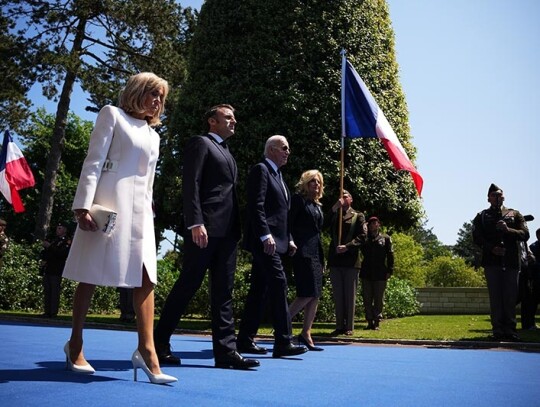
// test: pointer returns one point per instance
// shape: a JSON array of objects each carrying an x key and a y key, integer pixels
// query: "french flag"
[
  {"x": 362, "y": 117},
  {"x": 15, "y": 174}
]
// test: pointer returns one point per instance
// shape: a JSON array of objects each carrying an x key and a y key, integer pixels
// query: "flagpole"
[{"x": 342, "y": 152}]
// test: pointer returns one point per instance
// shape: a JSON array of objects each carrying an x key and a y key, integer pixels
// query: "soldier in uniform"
[
  {"x": 4, "y": 240},
  {"x": 344, "y": 261},
  {"x": 377, "y": 267},
  {"x": 498, "y": 231},
  {"x": 534, "y": 269},
  {"x": 53, "y": 259}
]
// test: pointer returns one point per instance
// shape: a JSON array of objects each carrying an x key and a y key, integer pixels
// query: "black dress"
[{"x": 306, "y": 220}]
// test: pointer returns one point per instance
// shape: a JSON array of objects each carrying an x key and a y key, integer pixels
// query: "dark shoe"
[
  {"x": 288, "y": 350},
  {"x": 303, "y": 341},
  {"x": 251, "y": 347},
  {"x": 165, "y": 356},
  {"x": 369, "y": 326},
  {"x": 338, "y": 332},
  {"x": 233, "y": 360}
]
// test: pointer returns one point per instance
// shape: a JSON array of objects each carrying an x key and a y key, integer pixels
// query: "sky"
[{"x": 470, "y": 73}]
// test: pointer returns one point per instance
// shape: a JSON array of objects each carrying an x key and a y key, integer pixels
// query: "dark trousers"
[
  {"x": 52, "y": 286},
  {"x": 503, "y": 291},
  {"x": 373, "y": 298},
  {"x": 344, "y": 284},
  {"x": 126, "y": 302},
  {"x": 219, "y": 257},
  {"x": 528, "y": 293},
  {"x": 268, "y": 281}
]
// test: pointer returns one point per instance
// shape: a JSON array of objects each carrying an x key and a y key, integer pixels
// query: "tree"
[
  {"x": 432, "y": 246},
  {"x": 279, "y": 65},
  {"x": 409, "y": 260},
  {"x": 99, "y": 43},
  {"x": 465, "y": 246},
  {"x": 16, "y": 78},
  {"x": 36, "y": 136}
]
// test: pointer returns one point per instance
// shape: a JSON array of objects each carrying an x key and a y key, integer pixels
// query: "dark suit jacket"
[
  {"x": 267, "y": 209},
  {"x": 209, "y": 188},
  {"x": 306, "y": 228}
]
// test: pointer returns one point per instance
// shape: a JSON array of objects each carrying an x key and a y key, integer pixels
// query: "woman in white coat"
[{"x": 118, "y": 173}]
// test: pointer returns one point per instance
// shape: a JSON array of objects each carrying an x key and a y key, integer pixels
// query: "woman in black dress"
[{"x": 306, "y": 220}]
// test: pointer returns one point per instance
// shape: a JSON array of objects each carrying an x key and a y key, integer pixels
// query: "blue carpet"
[{"x": 32, "y": 373}]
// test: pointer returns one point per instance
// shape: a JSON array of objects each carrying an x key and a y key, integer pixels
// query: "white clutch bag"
[{"x": 105, "y": 218}]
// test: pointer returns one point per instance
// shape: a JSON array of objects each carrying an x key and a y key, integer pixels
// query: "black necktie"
[{"x": 280, "y": 178}]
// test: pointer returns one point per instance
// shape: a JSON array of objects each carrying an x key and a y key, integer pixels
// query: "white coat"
[{"x": 117, "y": 259}]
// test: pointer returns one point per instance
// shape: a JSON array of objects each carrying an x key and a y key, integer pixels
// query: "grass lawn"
[{"x": 418, "y": 327}]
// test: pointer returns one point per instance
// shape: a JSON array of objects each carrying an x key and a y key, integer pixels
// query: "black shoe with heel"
[{"x": 303, "y": 341}]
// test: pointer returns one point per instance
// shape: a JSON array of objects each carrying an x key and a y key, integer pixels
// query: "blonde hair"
[
  {"x": 305, "y": 178},
  {"x": 132, "y": 96}
]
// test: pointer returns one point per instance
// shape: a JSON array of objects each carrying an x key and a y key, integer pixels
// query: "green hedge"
[{"x": 21, "y": 289}]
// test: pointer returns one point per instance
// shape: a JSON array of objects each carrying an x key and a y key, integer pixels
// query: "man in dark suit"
[
  {"x": 267, "y": 237},
  {"x": 210, "y": 242}
]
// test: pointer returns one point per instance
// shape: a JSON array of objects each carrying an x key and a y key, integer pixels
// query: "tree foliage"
[
  {"x": 99, "y": 44},
  {"x": 409, "y": 259},
  {"x": 465, "y": 246},
  {"x": 279, "y": 64},
  {"x": 447, "y": 271},
  {"x": 36, "y": 136},
  {"x": 432, "y": 246},
  {"x": 16, "y": 77}
]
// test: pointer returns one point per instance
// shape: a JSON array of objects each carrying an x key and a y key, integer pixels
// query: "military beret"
[{"x": 374, "y": 219}]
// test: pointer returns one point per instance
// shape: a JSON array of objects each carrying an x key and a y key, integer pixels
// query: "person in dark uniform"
[
  {"x": 53, "y": 259},
  {"x": 306, "y": 220},
  {"x": 534, "y": 284},
  {"x": 377, "y": 267},
  {"x": 498, "y": 231},
  {"x": 4, "y": 241},
  {"x": 211, "y": 238},
  {"x": 344, "y": 261},
  {"x": 127, "y": 312}
]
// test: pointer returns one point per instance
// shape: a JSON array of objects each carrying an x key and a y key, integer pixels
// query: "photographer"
[{"x": 53, "y": 259}]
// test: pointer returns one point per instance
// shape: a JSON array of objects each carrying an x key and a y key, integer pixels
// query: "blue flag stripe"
[{"x": 360, "y": 108}]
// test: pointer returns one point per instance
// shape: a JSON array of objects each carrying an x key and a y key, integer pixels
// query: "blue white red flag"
[
  {"x": 362, "y": 117},
  {"x": 15, "y": 174}
]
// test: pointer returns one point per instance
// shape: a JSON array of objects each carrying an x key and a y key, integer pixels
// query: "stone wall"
[{"x": 453, "y": 300}]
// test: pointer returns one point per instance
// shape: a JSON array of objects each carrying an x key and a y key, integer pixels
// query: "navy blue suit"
[
  {"x": 267, "y": 210},
  {"x": 209, "y": 193}
]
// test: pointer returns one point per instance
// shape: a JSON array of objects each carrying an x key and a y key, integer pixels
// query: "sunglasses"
[{"x": 283, "y": 148}]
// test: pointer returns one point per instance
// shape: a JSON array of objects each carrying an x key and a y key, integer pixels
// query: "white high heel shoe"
[
  {"x": 76, "y": 368},
  {"x": 138, "y": 362}
]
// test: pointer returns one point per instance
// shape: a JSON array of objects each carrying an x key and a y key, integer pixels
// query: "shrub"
[
  {"x": 409, "y": 258},
  {"x": 400, "y": 299},
  {"x": 21, "y": 289},
  {"x": 20, "y": 283},
  {"x": 21, "y": 286},
  {"x": 446, "y": 271}
]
